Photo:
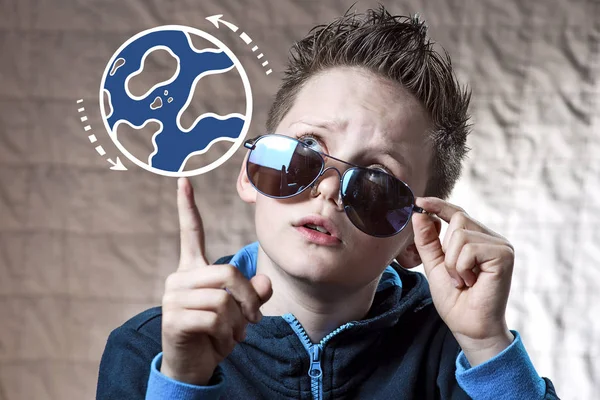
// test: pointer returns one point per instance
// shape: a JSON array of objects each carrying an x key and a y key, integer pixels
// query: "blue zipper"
[{"x": 314, "y": 352}]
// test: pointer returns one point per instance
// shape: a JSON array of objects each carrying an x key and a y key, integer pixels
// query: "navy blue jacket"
[{"x": 400, "y": 350}]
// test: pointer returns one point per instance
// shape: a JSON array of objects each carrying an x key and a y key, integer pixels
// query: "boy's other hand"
[
  {"x": 202, "y": 322},
  {"x": 469, "y": 275}
]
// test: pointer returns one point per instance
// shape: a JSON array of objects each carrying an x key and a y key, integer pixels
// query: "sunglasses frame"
[{"x": 250, "y": 144}]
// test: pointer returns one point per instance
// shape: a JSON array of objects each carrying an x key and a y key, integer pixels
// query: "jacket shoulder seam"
[{"x": 143, "y": 323}]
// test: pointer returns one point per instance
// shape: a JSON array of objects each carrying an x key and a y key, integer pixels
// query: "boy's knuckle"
[
  {"x": 221, "y": 302},
  {"x": 510, "y": 250},
  {"x": 509, "y": 256},
  {"x": 461, "y": 217},
  {"x": 170, "y": 322},
  {"x": 469, "y": 251},
  {"x": 462, "y": 266},
  {"x": 213, "y": 320},
  {"x": 229, "y": 273},
  {"x": 460, "y": 235},
  {"x": 187, "y": 323},
  {"x": 168, "y": 299},
  {"x": 171, "y": 281}
]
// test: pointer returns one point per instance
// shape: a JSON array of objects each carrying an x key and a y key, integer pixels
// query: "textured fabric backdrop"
[{"x": 83, "y": 248}]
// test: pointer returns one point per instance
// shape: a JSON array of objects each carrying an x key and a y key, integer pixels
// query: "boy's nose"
[{"x": 328, "y": 186}]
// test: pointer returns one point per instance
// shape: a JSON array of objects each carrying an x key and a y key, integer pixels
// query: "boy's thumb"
[
  {"x": 427, "y": 240},
  {"x": 262, "y": 284}
]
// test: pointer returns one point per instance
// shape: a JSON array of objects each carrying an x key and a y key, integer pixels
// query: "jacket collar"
[
  {"x": 398, "y": 291},
  {"x": 245, "y": 261}
]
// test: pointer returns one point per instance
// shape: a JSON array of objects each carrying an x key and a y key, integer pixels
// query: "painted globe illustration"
[{"x": 172, "y": 144}]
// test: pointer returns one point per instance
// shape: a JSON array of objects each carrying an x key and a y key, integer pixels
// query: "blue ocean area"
[{"x": 173, "y": 145}]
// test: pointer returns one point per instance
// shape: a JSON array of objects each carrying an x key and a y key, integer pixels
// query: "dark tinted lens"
[
  {"x": 375, "y": 202},
  {"x": 279, "y": 166}
]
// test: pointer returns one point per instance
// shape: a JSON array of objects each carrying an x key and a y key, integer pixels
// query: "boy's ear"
[
  {"x": 409, "y": 257},
  {"x": 244, "y": 188}
]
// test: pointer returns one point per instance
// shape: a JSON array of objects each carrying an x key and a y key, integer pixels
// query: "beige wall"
[{"x": 83, "y": 248}]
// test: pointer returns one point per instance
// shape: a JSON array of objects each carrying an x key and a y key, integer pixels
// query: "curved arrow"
[
  {"x": 117, "y": 166},
  {"x": 215, "y": 19}
]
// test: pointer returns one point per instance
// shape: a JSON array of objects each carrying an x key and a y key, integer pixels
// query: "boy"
[{"x": 323, "y": 305}]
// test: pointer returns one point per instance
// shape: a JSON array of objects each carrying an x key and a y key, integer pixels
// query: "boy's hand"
[
  {"x": 469, "y": 275},
  {"x": 202, "y": 322}
]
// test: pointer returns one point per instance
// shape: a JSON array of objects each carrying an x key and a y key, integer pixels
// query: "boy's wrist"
[{"x": 478, "y": 351}]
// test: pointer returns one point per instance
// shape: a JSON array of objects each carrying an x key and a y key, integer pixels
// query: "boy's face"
[{"x": 362, "y": 119}]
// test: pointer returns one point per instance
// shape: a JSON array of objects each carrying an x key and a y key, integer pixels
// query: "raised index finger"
[{"x": 190, "y": 226}]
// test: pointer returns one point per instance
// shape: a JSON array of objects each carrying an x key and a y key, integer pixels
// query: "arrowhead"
[
  {"x": 118, "y": 166},
  {"x": 215, "y": 19}
]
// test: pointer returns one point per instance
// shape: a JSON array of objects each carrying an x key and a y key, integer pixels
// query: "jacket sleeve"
[
  {"x": 162, "y": 387},
  {"x": 509, "y": 375},
  {"x": 125, "y": 365}
]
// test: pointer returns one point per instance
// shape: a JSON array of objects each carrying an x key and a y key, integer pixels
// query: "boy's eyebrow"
[
  {"x": 338, "y": 125},
  {"x": 331, "y": 125},
  {"x": 397, "y": 155}
]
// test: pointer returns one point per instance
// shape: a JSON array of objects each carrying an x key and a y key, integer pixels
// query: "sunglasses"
[{"x": 376, "y": 202}]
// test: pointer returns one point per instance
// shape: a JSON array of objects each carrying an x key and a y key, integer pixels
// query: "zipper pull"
[{"x": 315, "y": 362}]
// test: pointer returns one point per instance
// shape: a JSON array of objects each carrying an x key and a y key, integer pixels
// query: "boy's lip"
[{"x": 318, "y": 220}]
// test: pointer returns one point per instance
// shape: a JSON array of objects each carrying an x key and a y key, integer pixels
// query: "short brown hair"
[{"x": 395, "y": 47}]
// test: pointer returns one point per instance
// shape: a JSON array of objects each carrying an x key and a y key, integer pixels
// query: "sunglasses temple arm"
[{"x": 421, "y": 211}]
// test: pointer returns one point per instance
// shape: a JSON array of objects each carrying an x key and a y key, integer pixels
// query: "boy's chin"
[
  {"x": 326, "y": 271},
  {"x": 314, "y": 264},
  {"x": 319, "y": 278}
]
